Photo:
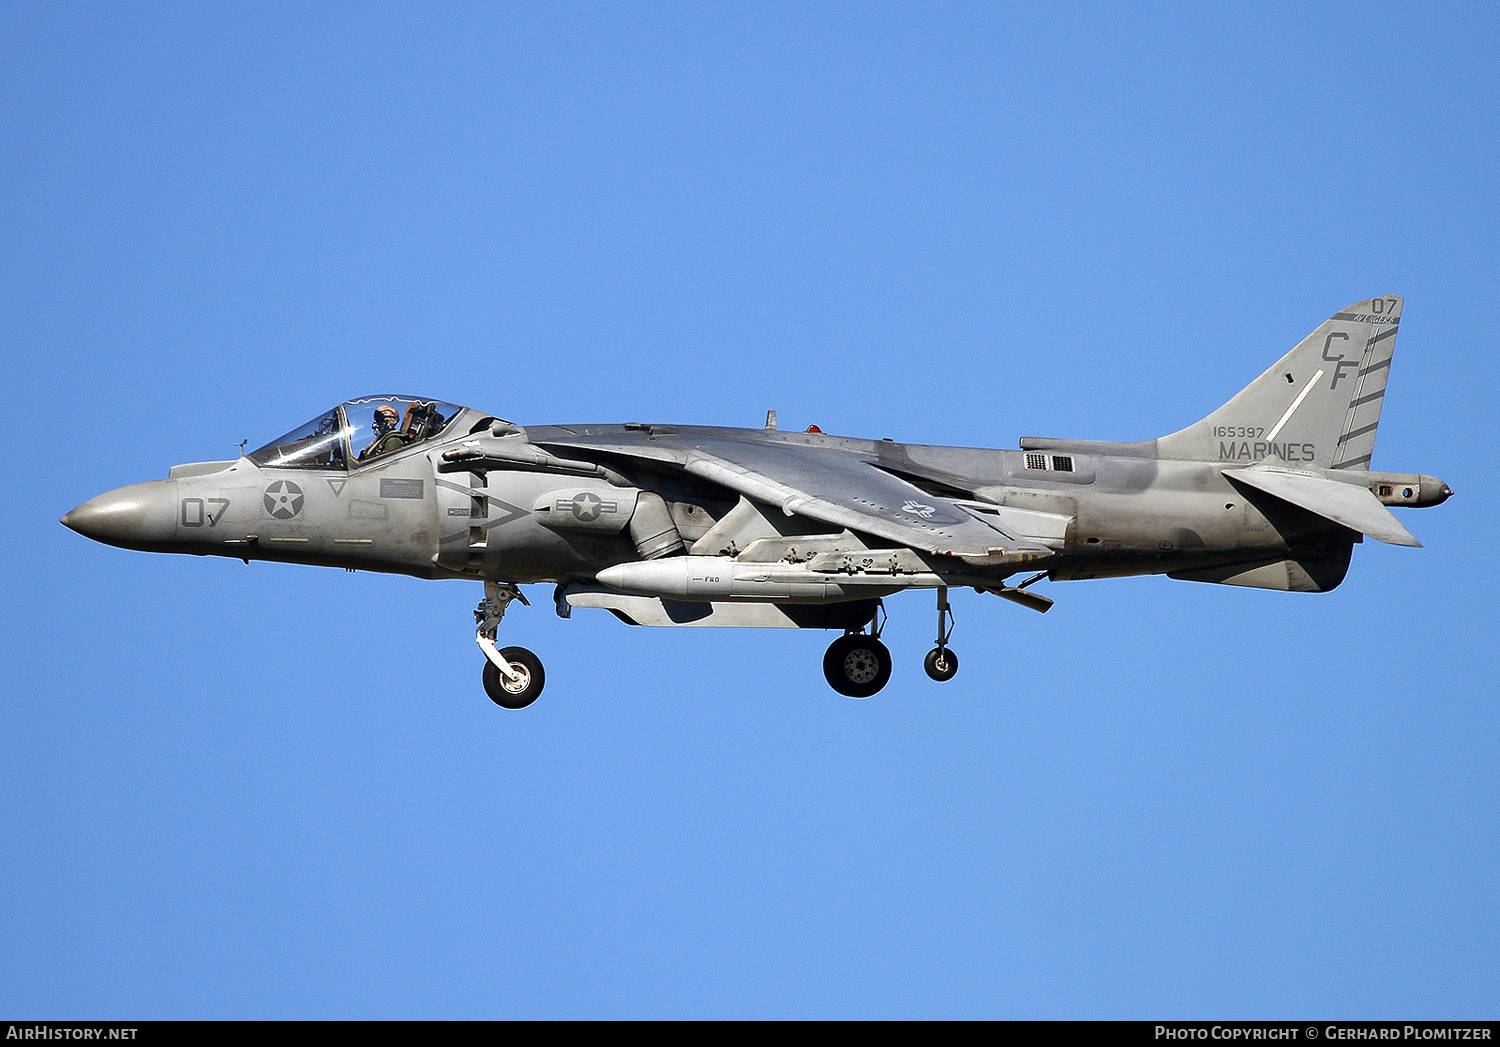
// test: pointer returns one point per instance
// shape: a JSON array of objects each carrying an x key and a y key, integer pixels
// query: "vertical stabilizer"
[{"x": 1317, "y": 407}]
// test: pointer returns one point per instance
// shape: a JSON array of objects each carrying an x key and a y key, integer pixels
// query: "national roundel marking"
[
  {"x": 587, "y": 506},
  {"x": 283, "y": 499}
]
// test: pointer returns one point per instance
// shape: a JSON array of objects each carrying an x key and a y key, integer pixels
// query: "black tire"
[
  {"x": 857, "y": 666},
  {"x": 941, "y": 664},
  {"x": 518, "y": 695}
]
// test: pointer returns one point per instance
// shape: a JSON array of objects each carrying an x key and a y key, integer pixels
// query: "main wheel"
[
  {"x": 520, "y": 693},
  {"x": 857, "y": 666},
  {"x": 941, "y": 663}
]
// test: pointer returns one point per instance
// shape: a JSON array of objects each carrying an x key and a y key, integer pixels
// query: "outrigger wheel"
[
  {"x": 857, "y": 665},
  {"x": 941, "y": 664}
]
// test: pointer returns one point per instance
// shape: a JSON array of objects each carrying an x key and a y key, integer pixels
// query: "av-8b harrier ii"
[{"x": 692, "y": 525}]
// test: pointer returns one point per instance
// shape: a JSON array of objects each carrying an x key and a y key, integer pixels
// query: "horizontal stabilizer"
[{"x": 1350, "y": 505}]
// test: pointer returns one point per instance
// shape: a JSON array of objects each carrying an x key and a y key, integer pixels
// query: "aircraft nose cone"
[{"x": 141, "y": 516}]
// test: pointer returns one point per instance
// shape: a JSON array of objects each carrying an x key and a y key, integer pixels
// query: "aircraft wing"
[{"x": 827, "y": 484}]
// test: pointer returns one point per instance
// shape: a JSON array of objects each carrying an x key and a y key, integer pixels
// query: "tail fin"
[{"x": 1318, "y": 406}]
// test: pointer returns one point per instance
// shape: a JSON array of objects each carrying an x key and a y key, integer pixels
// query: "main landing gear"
[
  {"x": 858, "y": 665},
  {"x": 513, "y": 676}
]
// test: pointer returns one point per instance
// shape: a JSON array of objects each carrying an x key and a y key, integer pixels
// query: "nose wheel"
[
  {"x": 513, "y": 676},
  {"x": 524, "y": 683}
]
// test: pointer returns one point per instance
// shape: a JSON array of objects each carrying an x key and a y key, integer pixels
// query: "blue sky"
[{"x": 278, "y": 791}]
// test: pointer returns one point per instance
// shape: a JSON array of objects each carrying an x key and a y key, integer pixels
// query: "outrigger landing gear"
[
  {"x": 857, "y": 664},
  {"x": 513, "y": 677},
  {"x": 941, "y": 663}
]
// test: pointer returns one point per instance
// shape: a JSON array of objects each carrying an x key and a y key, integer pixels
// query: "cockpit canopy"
[{"x": 357, "y": 432}]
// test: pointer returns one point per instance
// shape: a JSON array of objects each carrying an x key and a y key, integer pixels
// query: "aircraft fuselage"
[
  {"x": 692, "y": 525},
  {"x": 413, "y": 513}
]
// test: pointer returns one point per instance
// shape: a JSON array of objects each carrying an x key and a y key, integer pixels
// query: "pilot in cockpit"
[{"x": 387, "y": 436}]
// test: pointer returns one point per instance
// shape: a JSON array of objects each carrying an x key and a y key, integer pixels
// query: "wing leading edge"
[{"x": 826, "y": 484}]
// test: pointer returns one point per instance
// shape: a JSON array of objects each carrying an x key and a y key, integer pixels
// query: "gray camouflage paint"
[{"x": 1270, "y": 490}]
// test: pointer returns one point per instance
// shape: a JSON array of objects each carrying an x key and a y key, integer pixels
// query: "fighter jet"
[{"x": 685, "y": 525}]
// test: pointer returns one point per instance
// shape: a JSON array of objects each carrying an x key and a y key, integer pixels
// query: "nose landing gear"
[
  {"x": 522, "y": 686},
  {"x": 513, "y": 677}
]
